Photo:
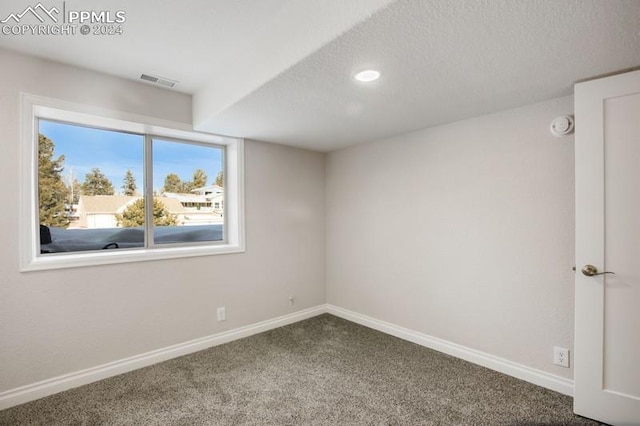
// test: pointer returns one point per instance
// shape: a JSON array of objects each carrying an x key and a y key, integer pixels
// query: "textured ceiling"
[
  {"x": 223, "y": 44},
  {"x": 280, "y": 70},
  {"x": 441, "y": 61}
]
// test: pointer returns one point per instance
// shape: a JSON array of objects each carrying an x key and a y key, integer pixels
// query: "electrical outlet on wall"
[
  {"x": 561, "y": 356},
  {"x": 222, "y": 314},
  {"x": 291, "y": 300}
]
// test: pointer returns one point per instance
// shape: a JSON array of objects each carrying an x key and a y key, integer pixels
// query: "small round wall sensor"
[{"x": 562, "y": 126}]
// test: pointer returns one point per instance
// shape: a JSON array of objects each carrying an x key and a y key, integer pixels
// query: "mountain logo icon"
[{"x": 39, "y": 11}]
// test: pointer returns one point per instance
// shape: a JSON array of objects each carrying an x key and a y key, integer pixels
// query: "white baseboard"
[
  {"x": 54, "y": 385},
  {"x": 48, "y": 387},
  {"x": 532, "y": 375}
]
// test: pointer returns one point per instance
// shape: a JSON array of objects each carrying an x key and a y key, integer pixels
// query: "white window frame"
[{"x": 36, "y": 107}]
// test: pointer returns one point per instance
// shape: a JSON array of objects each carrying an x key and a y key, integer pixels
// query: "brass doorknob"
[{"x": 590, "y": 271}]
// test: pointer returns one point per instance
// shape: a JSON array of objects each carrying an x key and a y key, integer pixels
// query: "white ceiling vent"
[{"x": 158, "y": 80}]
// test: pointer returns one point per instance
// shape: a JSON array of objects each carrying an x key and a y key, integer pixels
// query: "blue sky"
[{"x": 114, "y": 152}]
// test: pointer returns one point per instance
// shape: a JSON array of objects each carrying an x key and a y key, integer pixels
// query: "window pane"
[
  {"x": 90, "y": 184},
  {"x": 188, "y": 183}
]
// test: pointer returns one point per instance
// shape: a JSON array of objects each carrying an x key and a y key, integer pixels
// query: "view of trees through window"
[{"x": 92, "y": 196}]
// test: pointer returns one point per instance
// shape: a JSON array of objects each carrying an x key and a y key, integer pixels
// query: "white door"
[{"x": 607, "y": 328}]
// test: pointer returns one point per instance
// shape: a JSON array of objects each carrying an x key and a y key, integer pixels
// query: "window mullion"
[{"x": 148, "y": 191}]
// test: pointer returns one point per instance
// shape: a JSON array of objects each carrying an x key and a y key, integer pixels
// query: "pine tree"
[
  {"x": 220, "y": 179},
  {"x": 52, "y": 192},
  {"x": 172, "y": 183},
  {"x": 129, "y": 186},
  {"x": 96, "y": 183},
  {"x": 199, "y": 178},
  {"x": 133, "y": 215},
  {"x": 186, "y": 187}
]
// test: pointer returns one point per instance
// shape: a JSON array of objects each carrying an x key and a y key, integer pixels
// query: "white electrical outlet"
[
  {"x": 561, "y": 356},
  {"x": 291, "y": 300},
  {"x": 222, "y": 314}
]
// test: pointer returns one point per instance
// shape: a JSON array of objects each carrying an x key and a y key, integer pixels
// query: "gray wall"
[
  {"x": 464, "y": 232},
  {"x": 61, "y": 321}
]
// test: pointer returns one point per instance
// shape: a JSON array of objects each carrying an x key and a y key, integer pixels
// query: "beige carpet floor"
[{"x": 322, "y": 371}]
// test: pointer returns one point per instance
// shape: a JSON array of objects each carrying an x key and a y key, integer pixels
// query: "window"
[{"x": 109, "y": 188}]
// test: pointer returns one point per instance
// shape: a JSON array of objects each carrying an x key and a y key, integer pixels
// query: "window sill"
[{"x": 108, "y": 257}]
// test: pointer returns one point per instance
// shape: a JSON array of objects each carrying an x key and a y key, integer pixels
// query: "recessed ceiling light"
[{"x": 367, "y": 75}]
